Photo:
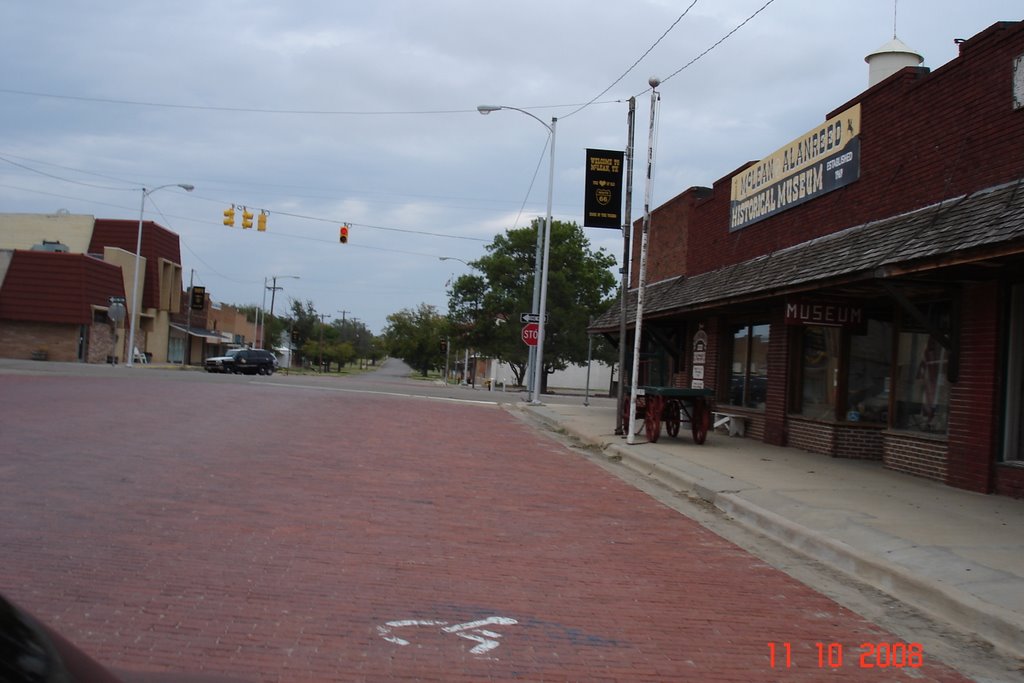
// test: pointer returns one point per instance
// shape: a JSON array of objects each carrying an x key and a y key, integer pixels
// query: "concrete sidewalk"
[{"x": 954, "y": 554}]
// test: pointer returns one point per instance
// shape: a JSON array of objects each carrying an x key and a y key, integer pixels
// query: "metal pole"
[
  {"x": 135, "y": 286},
  {"x": 138, "y": 257},
  {"x": 590, "y": 351},
  {"x": 532, "y": 351},
  {"x": 188, "y": 321},
  {"x": 538, "y": 385},
  {"x": 638, "y": 331},
  {"x": 259, "y": 334},
  {"x": 447, "y": 356},
  {"x": 620, "y": 427}
]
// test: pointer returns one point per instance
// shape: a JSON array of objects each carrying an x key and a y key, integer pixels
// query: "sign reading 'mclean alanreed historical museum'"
[{"x": 818, "y": 162}]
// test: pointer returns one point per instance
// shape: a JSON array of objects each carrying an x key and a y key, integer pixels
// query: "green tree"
[
  {"x": 305, "y": 322},
  {"x": 484, "y": 308},
  {"x": 415, "y": 336}
]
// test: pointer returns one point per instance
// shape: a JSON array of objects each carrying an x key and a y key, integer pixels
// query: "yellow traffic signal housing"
[
  {"x": 343, "y": 234},
  {"x": 261, "y": 221},
  {"x": 246, "y": 218},
  {"x": 229, "y": 216}
]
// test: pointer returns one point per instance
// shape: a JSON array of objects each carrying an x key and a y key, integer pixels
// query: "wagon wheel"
[
  {"x": 652, "y": 418},
  {"x": 640, "y": 407},
  {"x": 672, "y": 417},
  {"x": 700, "y": 421}
]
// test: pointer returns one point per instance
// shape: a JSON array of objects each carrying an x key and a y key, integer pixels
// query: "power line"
[
  {"x": 258, "y": 110},
  {"x": 716, "y": 44},
  {"x": 281, "y": 213},
  {"x": 637, "y": 62},
  {"x": 66, "y": 180}
]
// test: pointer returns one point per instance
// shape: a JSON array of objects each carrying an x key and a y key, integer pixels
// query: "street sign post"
[{"x": 531, "y": 333}]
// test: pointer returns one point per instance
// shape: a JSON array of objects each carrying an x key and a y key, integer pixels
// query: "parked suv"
[{"x": 247, "y": 361}]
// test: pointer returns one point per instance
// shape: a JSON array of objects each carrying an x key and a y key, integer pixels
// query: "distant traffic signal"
[
  {"x": 246, "y": 218},
  {"x": 261, "y": 222},
  {"x": 343, "y": 234},
  {"x": 229, "y": 216}
]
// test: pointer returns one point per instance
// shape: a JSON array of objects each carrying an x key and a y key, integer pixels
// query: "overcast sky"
[{"x": 331, "y": 111}]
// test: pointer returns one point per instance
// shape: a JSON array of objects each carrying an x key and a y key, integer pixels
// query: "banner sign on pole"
[
  {"x": 602, "y": 206},
  {"x": 198, "y": 302}
]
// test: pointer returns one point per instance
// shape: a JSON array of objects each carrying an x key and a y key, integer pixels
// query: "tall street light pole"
[
  {"x": 134, "y": 322},
  {"x": 538, "y": 363}
]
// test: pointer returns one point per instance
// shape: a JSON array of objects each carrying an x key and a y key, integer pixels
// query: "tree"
[
  {"x": 415, "y": 335},
  {"x": 484, "y": 309}
]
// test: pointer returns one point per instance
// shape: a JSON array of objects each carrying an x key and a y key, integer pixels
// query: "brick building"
[
  {"x": 53, "y": 306},
  {"x": 56, "y": 300},
  {"x": 860, "y": 293}
]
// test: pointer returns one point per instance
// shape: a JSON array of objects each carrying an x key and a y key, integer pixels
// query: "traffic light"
[
  {"x": 261, "y": 222},
  {"x": 229, "y": 216},
  {"x": 343, "y": 234},
  {"x": 246, "y": 218},
  {"x": 444, "y": 346}
]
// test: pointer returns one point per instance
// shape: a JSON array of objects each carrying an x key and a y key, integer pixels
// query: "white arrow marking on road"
[{"x": 471, "y": 630}]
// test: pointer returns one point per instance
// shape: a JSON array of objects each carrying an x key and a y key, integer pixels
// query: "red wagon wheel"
[
  {"x": 652, "y": 417},
  {"x": 671, "y": 416},
  {"x": 700, "y": 421},
  {"x": 640, "y": 408}
]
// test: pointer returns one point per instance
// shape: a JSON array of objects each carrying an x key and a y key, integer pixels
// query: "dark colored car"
[
  {"x": 255, "y": 362},
  {"x": 246, "y": 361}
]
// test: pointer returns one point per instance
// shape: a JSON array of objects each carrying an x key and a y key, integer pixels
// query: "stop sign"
[{"x": 531, "y": 332}]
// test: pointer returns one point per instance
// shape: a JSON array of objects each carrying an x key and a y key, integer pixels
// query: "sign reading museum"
[{"x": 818, "y": 162}]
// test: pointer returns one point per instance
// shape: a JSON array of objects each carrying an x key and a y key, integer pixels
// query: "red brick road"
[{"x": 280, "y": 534}]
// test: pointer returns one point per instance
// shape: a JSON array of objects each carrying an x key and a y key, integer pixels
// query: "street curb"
[{"x": 991, "y": 623}]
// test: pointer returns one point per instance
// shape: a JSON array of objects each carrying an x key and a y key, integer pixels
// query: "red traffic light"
[{"x": 343, "y": 234}]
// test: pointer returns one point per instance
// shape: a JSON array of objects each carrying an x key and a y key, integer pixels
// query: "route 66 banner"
[{"x": 602, "y": 205}]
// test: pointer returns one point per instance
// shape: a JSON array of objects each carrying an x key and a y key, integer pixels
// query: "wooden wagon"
[{"x": 670, "y": 405}]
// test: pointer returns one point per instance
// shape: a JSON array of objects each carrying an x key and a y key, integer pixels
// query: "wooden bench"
[{"x": 736, "y": 424}]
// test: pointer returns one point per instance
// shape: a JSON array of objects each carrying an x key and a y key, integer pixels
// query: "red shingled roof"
[{"x": 57, "y": 287}]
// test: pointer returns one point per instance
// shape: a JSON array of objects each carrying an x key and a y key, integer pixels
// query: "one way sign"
[{"x": 533, "y": 318}]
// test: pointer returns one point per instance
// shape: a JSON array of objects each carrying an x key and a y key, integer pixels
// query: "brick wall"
[
  {"x": 101, "y": 342},
  {"x": 859, "y": 442},
  {"x": 1010, "y": 481},
  {"x": 921, "y": 456},
  {"x": 840, "y": 440},
  {"x": 776, "y": 394},
  {"x": 973, "y": 438},
  {"x": 20, "y": 339},
  {"x": 808, "y": 435}
]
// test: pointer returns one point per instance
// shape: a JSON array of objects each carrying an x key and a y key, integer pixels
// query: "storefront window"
[
  {"x": 868, "y": 383},
  {"x": 922, "y": 391},
  {"x": 820, "y": 371},
  {"x": 748, "y": 376}
]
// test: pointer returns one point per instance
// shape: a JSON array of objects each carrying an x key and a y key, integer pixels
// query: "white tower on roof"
[{"x": 890, "y": 58}]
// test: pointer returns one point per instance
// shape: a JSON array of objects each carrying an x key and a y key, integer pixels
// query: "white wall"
[{"x": 573, "y": 377}]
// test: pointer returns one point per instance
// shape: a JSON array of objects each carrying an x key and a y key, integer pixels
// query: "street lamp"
[
  {"x": 540, "y": 298},
  {"x": 134, "y": 322}
]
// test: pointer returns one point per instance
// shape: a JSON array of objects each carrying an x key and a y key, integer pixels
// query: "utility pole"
[
  {"x": 322, "y": 316},
  {"x": 627, "y": 250}
]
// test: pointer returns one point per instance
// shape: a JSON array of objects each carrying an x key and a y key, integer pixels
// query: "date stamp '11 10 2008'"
[{"x": 897, "y": 655}]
